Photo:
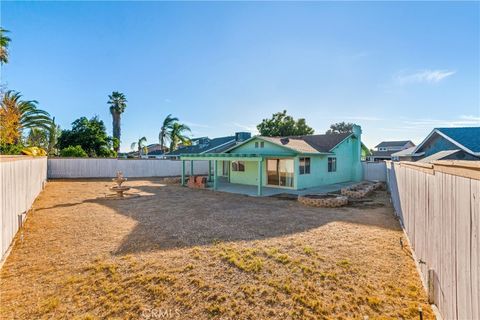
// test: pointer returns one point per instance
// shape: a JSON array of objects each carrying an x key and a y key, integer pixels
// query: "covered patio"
[
  {"x": 225, "y": 186},
  {"x": 220, "y": 183}
]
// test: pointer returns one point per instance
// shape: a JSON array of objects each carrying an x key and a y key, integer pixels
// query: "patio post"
[
  {"x": 259, "y": 187},
  {"x": 191, "y": 168},
  {"x": 209, "y": 170},
  {"x": 215, "y": 175},
  {"x": 183, "y": 172}
]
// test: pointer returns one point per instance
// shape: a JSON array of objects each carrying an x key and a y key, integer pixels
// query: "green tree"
[
  {"x": 118, "y": 103},
  {"x": 4, "y": 42},
  {"x": 165, "y": 131},
  {"x": 38, "y": 138},
  {"x": 282, "y": 125},
  {"x": 91, "y": 135},
  {"x": 141, "y": 146},
  {"x": 17, "y": 115},
  {"x": 340, "y": 127},
  {"x": 73, "y": 151},
  {"x": 178, "y": 135}
]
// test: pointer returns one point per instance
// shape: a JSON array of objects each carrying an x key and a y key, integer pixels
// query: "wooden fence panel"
[
  {"x": 373, "y": 171},
  {"x": 463, "y": 247},
  {"x": 21, "y": 180},
  {"x": 475, "y": 247},
  {"x": 439, "y": 206}
]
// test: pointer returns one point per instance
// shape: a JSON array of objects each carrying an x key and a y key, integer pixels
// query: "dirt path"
[{"x": 176, "y": 253}]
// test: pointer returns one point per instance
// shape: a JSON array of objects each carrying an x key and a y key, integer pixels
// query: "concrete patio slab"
[{"x": 224, "y": 186}]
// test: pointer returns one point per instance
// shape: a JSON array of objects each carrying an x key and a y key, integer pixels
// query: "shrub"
[
  {"x": 11, "y": 149},
  {"x": 105, "y": 152},
  {"x": 73, "y": 151}
]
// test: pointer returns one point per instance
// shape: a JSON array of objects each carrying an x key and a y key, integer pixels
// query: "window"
[
  {"x": 238, "y": 165},
  {"x": 332, "y": 164},
  {"x": 262, "y": 144},
  {"x": 256, "y": 145},
  {"x": 304, "y": 165}
]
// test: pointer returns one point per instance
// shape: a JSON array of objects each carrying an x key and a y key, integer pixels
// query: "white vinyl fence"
[
  {"x": 439, "y": 207},
  {"x": 131, "y": 168},
  {"x": 374, "y": 171},
  {"x": 22, "y": 178}
]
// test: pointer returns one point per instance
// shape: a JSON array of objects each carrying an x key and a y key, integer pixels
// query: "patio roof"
[{"x": 234, "y": 156}]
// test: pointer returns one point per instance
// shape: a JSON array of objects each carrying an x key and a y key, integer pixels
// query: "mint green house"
[{"x": 291, "y": 163}]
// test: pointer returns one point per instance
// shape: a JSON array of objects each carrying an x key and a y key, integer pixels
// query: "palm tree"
[
  {"x": 177, "y": 135},
  {"x": 53, "y": 135},
  {"x": 141, "y": 146},
  {"x": 37, "y": 138},
  {"x": 118, "y": 103},
  {"x": 4, "y": 42},
  {"x": 165, "y": 130},
  {"x": 17, "y": 115}
]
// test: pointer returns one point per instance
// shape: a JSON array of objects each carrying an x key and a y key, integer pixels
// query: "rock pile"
[{"x": 325, "y": 201}]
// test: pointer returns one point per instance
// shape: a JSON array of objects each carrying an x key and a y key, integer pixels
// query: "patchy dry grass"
[{"x": 189, "y": 254}]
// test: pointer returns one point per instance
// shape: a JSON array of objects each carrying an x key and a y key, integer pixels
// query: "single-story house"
[
  {"x": 385, "y": 149},
  {"x": 447, "y": 144},
  {"x": 295, "y": 163}
]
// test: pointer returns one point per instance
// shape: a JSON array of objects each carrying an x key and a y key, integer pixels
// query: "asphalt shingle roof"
[
  {"x": 212, "y": 144},
  {"x": 311, "y": 143},
  {"x": 404, "y": 152},
  {"x": 466, "y": 136},
  {"x": 438, "y": 156},
  {"x": 392, "y": 144}
]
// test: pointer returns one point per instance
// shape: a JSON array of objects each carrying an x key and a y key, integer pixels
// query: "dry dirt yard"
[{"x": 177, "y": 253}]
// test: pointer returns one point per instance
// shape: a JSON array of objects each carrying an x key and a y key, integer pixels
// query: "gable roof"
[
  {"x": 466, "y": 138},
  {"x": 384, "y": 144},
  {"x": 438, "y": 156},
  {"x": 404, "y": 152},
  {"x": 316, "y": 143},
  {"x": 469, "y": 137},
  {"x": 214, "y": 145}
]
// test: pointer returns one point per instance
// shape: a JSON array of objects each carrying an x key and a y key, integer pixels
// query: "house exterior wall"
[
  {"x": 348, "y": 166},
  {"x": 435, "y": 144},
  {"x": 249, "y": 176}
]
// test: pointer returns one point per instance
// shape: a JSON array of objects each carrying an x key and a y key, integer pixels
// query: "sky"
[{"x": 397, "y": 69}]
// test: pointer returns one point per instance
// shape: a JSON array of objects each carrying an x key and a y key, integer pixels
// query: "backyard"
[{"x": 178, "y": 253}]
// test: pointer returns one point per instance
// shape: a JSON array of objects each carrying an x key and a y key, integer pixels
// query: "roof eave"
[
  {"x": 342, "y": 141},
  {"x": 436, "y": 130}
]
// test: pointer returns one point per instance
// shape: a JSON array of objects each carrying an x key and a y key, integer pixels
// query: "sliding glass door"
[{"x": 280, "y": 172}]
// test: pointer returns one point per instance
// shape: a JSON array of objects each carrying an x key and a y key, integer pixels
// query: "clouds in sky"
[
  {"x": 461, "y": 121},
  {"x": 423, "y": 76},
  {"x": 247, "y": 127}
]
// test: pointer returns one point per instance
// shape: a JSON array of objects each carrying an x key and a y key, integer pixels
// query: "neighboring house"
[
  {"x": 403, "y": 155},
  {"x": 385, "y": 149},
  {"x": 448, "y": 144},
  {"x": 365, "y": 152},
  {"x": 288, "y": 162},
  {"x": 207, "y": 145}
]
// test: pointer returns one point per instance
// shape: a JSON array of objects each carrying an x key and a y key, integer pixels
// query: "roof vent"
[{"x": 284, "y": 140}]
